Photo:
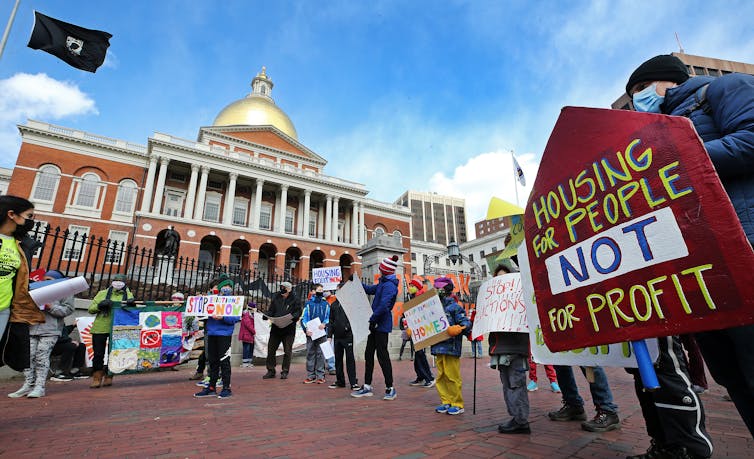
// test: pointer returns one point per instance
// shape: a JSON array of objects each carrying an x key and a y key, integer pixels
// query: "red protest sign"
[{"x": 630, "y": 234}]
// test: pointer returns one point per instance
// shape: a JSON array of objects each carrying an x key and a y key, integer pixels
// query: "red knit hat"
[
  {"x": 389, "y": 265},
  {"x": 416, "y": 283}
]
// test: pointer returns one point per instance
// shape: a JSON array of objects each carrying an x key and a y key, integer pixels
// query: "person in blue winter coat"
[
  {"x": 448, "y": 353},
  {"x": 385, "y": 292},
  {"x": 218, "y": 334},
  {"x": 316, "y": 307},
  {"x": 722, "y": 110}
]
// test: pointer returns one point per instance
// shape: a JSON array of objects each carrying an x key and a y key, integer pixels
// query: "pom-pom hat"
[{"x": 389, "y": 265}]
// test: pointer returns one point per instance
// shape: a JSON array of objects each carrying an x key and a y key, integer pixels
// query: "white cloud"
[{"x": 36, "y": 96}]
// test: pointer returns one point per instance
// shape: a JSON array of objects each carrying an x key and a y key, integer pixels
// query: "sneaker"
[
  {"x": 532, "y": 386},
  {"x": 654, "y": 452},
  {"x": 62, "y": 378},
  {"x": 246, "y": 365},
  {"x": 355, "y": 387},
  {"x": 320, "y": 380},
  {"x": 206, "y": 392},
  {"x": 269, "y": 375},
  {"x": 453, "y": 410},
  {"x": 336, "y": 385},
  {"x": 37, "y": 392},
  {"x": 429, "y": 384},
  {"x": 225, "y": 393},
  {"x": 390, "y": 394},
  {"x": 698, "y": 389},
  {"x": 196, "y": 377},
  {"x": 332, "y": 372},
  {"x": 22, "y": 392},
  {"x": 283, "y": 375},
  {"x": 442, "y": 408},
  {"x": 416, "y": 382},
  {"x": 602, "y": 422},
  {"x": 365, "y": 391},
  {"x": 512, "y": 427},
  {"x": 555, "y": 387},
  {"x": 310, "y": 381},
  {"x": 568, "y": 413},
  {"x": 80, "y": 375}
]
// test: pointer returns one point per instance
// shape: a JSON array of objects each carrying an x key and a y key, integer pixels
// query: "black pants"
[
  {"x": 403, "y": 346},
  {"x": 276, "y": 337},
  {"x": 219, "y": 359},
  {"x": 72, "y": 355},
  {"x": 421, "y": 366},
  {"x": 377, "y": 341},
  {"x": 341, "y": 346},
  {"x": 99, "y": 347},
  {"x": 673, "y": 414}
]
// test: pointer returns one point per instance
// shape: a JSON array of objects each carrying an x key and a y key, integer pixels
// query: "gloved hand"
[
  {"x": 131, "y": 302},
  {"x": 105, "y": 305},
  {"x": 372, "y": 326},
  {"x": 455, "y": 330},
  {"x": 408, "y": 332}
]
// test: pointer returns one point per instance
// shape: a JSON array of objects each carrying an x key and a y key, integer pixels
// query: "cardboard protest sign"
[
  {"x": 262, "y": 337},
  {"x": 426, "y": 318},
  {"x": 606, "y": 355},
  {"x": 329, "y": 277},
  {"x": 630, "y": 234},
  {"x": 356, "y": 305},
  {"x": 500, "y": 307},
  {"x": 204, "y": 306}
]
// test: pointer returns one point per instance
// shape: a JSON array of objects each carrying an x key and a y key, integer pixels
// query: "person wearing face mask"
[
  {"x": 17, "y": 310},
  {"x": 316, "y": 307},
  {"x": 102, "y": 305},
  {"x": 283, "y": 302},
  {"x": 424, "y": 376}
]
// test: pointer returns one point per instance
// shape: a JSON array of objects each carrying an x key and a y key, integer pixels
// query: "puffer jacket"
[
  {"x": 385, "y": 292},
  {"x": 54, "y": 323},
  {"x": 456, "y": 316},
  {"x": 727, "y": 130}
]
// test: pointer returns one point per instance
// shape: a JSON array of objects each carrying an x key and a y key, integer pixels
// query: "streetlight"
[{"x": 454, "y": 252}]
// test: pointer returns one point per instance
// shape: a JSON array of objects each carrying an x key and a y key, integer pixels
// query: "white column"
[
  {"x": 160, "y": 185},
  {"x": 257, "y": 203},
  {"x": 190, "y": 200},
  {"x": 362, "y": 227},
  {"x": 146, "y": 199},
  {"x": 320, "y": 221},
  {"x": 283, "y": 207},
  {"x": 354, "y": 223},
  {"x": 335, "y": 218},
  {"x": 230, "y": 197},
  {"x": 250, "y": 214},
  {"x": 328, "y": 219},
  {"x": 201, "y": 193},
  {"x": 307, "y": 204}
]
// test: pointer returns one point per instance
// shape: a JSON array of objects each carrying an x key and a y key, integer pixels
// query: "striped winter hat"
[{"x": 389, "y": 265}]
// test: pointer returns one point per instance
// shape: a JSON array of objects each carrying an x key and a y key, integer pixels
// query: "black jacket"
[
  {"x": 280, "y": 306},
  {"x": 339, "y": 326}
]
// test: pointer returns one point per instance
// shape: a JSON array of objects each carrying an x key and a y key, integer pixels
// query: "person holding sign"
[
  {"x": 448, "y": 353},
  {"x": 316, "y": 308},
  {"x": 283, "y": 303},
  {"x": 339, "y": 330},
  {"x": 380, "y": 325},
  {"x": 424, "y": 376},
  {"x": 722, "y": 111}
]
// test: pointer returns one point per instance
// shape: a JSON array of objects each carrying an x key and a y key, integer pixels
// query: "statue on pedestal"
[{"x": 172, "y": 241}]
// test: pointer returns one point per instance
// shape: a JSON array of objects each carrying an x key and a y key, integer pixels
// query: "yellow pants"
[{"x": 449, "y": 380}]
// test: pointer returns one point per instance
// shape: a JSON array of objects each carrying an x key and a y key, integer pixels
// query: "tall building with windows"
[{"x": 246, "y": 193}]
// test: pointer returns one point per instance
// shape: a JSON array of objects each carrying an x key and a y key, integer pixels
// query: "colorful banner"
[
  {"x": 212, "y": 305},
  {"x": 426, "y": 318},
  {"x": 84, "y": 326},
  {"x": 329, "y": 277},
  {"x": 630, "y": 234},
  {"x": 500, "y": 307}
]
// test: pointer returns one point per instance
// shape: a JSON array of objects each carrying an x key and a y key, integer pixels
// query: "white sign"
[
  {"x": 329, "y": 277},
  {"x": 313, "y": 327},
  {"x": 262, "y": 337},
  {"x": 356, "y": 305},
  {"x": 500, "y": 307},
  {"x": 425, "y": 316},
  {"x": 612, "y": 355}
]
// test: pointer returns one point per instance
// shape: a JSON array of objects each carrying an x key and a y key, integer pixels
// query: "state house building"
[{"x": 246, "y": 193}]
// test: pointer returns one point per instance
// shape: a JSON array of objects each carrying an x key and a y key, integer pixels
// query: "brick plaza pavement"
[{"x": 155, "y": 415}]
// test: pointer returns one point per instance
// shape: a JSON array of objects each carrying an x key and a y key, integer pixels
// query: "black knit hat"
[{"x": 664, "y": 67}]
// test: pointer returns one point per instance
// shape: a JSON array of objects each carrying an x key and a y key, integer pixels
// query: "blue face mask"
[
  {"x": 226, "y": 291},
  {"x": 647, "y": 100}
]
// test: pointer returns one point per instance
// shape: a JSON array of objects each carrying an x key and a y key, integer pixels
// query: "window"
[
  {"x": 47, "y": 183},
  {"x": 265, "y": 216},
  {"x": 75, "y": 242},
  {"x": 312, "y": 223},
  {"x": 378, "y": 232},
  {"x": 177, "y": 177},
  {"x": 447, "y": 262},
  {"x": 173, "y": 203},
  {"x": 494, "y": 249},
  {"x": 239, "y": 212},
  {"x": 212, "y": 207},
  {"x": 437, "y": 259},
  {"x": 214, "y": 185},
  {"x": 126, "y": 198},
  {"x": 413, "y": 256},
  {"x": 471, "y": 257},
  {"x": 699, "y": 71},
  {"x": 397, "y": 234},
  {"x": 116, "y": 247},
  {"x": 290, "y": 217},
  {"x": 481, "y": 254},
  {"x": 88, "y": 191}
]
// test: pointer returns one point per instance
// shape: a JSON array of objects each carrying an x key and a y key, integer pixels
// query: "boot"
[
  {"x": 97, "y": 379},
  {"x": 37, "y": 392},
  {"x": 108, "y": 381},
  {"x": 25, "y": 389}
]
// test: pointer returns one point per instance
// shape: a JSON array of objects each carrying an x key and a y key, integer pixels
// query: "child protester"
[
  {"x": 219, "y": 332},
  {"x": 448, "y": 353},
  {"x": 316, "y": 307},
  {"x": 246, "y": 334}
]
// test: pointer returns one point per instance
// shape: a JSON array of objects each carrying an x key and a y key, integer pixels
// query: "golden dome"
[{"x": 257, "y": 109}]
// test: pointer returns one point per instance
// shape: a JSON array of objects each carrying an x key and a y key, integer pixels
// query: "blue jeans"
[
  {"x": 421, "y": 366},
  {"x": 248, "y": 351},
  {"x": 600, "y": 389}
]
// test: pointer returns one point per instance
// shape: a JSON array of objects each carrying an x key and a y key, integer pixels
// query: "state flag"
[
  {"x": 518, "y": 172},
  {"x": 82, "y": 48}
]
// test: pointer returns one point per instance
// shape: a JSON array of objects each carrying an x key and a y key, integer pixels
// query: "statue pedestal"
[{"x": 163, "y": 272}]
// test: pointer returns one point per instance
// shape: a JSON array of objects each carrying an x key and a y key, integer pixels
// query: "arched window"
[
  {"x": 88, "y": 190},
  {"x": 397, "y": 234},
  {"x": 378, "y": 232},
  {"x": 126, "y": 198},
  {"x": 46, "y": 184}
]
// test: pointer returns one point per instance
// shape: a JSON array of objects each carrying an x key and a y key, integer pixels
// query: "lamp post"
[{"x": 453, "y": 252}]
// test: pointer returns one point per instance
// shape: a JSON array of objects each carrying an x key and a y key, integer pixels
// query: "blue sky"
[{"x": 423, "y": 95}]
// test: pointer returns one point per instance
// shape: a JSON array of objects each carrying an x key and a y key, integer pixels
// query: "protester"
[
  {"x": 331, "y": 360},
  {"x": 549, "y": 371},
  {"x": 246, "y": 334},
  {"x": 339, "y": 330},
  {"x": 43, "y": 338},
  {"x": 385, "y": 292},
  {"x": 72, "y": 363},
  {"x": 722, "y": 111},
  {"x": 283, "y": 302},
  {"x": 219, "y": 332},
  {"x": 606, "y": 417},
  {"x": 424, "y": 377},
  {"x": 102, "y": 305},
  {"x": 316, "y": 308},
  {"x": 695, "y": 364},
  {"x": 448, "y": 353},
  {"x": 405, "y": 338},
  {"x": 17, "y": 309}
]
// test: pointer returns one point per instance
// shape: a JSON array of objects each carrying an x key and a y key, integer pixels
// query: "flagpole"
[
  {"x": 515, "y": 175},
  {"x": 8, "y": 27}
]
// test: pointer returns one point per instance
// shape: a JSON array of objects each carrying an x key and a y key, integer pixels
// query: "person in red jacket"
[{"x": 246, "y": 334}]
